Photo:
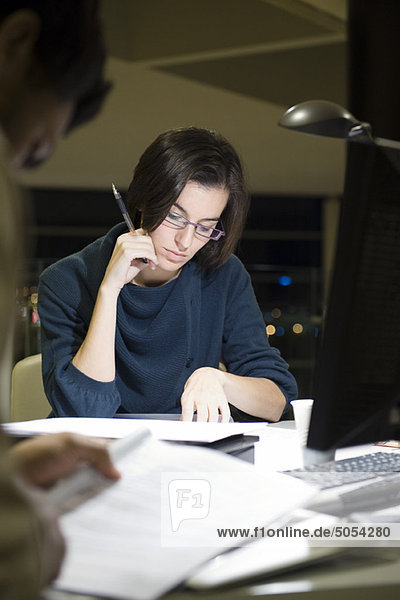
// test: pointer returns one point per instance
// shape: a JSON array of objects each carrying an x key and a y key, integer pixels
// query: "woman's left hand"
[{"x": 204, "y": 394}]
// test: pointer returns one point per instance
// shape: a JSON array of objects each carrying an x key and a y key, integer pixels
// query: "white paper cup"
[{"x": 302, "y": 415}]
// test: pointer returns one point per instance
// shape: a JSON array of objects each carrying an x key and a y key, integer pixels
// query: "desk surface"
[{"x": 360, "y": 573}]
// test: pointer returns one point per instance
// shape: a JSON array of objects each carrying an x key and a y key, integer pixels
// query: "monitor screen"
[{"x": 356, "y": 387}]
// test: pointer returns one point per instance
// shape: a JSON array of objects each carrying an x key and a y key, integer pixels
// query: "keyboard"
[
  {"x": 349, "y": 470},
  {"x": 377, "y": 479}
]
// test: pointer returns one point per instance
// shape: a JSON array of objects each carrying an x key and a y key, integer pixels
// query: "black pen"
[{"x": 125, "y": 213}]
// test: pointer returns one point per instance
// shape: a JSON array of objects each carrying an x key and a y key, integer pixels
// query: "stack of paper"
[
  {"x": 174, "y": 508},
  {"x": 118, "y": 428}
]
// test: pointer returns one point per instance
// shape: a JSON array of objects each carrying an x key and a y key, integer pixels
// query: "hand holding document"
[{"x": 146, "y": 533}]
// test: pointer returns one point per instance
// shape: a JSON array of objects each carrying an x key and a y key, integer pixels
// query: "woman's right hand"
[
  {"x": 125, "y": 262},
  {"x": 96, "y": 354}
]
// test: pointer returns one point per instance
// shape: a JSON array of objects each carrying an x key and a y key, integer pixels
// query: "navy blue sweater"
[{"x": 163, "y": 334}]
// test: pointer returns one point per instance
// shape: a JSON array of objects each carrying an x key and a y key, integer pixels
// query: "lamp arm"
[{"x": 361, "y": 132}]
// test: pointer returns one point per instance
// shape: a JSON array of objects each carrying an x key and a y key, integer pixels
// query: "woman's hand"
[
  {"x": 96, "y": 355},
  {"x": 204, "y": 394},
  {"x": 43, "y": 460},
  {"x": 125, "y": 261}
]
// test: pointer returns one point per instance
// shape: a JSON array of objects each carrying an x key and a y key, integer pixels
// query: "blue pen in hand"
[{"x": 125, "y": 214}]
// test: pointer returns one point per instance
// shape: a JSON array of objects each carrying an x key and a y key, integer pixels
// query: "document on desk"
[
  {"x": 172, "y": 509},
  {"x": 118, "y": 428}
]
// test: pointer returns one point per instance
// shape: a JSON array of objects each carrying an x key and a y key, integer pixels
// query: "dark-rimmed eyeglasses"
[{"x": 180, "y": 222}]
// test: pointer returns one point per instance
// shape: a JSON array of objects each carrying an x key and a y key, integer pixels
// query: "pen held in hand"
[{"x": 125, "y": 214}]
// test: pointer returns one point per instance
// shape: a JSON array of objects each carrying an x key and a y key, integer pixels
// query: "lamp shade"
[{"x": 321, "y": 117}]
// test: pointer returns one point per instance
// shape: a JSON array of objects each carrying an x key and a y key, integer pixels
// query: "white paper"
[
  {"x": 264, "y": 556},
  {"x": 118, "y": 428},
  {"x": 116, "y": 541}
]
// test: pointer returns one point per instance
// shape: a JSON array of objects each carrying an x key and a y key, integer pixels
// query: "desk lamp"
[
  {"x": 320, "y": 117},
  {"x": 357, "y": 264}
]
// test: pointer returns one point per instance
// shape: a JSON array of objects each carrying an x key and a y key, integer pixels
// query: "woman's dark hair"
[
  {"x": 70, "y": 51},
  {"x": 169, "y": 163}
]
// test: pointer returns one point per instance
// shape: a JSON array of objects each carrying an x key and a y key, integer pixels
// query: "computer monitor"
[{"x": 356, "y": 386}]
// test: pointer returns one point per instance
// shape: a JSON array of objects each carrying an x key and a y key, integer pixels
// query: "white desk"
[{"x": 364, "y": 573}]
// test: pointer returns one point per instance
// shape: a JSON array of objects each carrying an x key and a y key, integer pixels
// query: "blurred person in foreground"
[{"x": 51, "y": 80}]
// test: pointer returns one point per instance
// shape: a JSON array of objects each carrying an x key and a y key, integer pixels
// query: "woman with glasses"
[{"x": 138, "y": 321}]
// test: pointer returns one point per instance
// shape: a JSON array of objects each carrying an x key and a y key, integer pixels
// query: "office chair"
[{"x": 28, "y": 399}]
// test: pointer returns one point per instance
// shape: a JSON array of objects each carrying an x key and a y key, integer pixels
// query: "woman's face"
[{"x": 199, "y": 204}]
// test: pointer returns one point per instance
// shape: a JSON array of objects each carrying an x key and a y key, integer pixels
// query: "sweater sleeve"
[
  {"x": 246, "y": 349},
  {"x": 65, "y": 309}
]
